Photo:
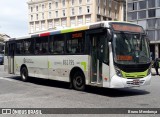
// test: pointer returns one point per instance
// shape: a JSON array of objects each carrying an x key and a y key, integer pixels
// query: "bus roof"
[{"x": 73, "y": 29}]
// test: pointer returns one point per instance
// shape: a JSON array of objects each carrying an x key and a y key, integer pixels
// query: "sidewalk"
[{"x": 154, "y": 71}]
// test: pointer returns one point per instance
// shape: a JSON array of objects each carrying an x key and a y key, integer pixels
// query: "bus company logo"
[{"x": 6, "y": 111}]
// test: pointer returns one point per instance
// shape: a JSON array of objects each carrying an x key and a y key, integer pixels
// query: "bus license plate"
[{"x": 136, "y": 82}]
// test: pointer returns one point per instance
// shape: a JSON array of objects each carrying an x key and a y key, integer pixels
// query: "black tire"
[
  {"x": 78, "y": 81},
  {"x": 24, "y": 74}
]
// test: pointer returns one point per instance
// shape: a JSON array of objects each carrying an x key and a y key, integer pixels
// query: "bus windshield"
[{"x": 130, "y": 48}]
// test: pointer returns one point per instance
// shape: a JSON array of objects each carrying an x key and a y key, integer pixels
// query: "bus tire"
[
  {"x": 24, "y": 74},
  {"x": 78, "y": 81}
]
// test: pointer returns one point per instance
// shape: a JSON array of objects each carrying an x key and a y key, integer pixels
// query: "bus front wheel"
[
  {"x": 24, "y": 74},
  {"x": 78, "y": 81}
]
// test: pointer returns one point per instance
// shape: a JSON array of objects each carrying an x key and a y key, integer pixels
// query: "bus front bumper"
[{"x": 119, "y": 82}]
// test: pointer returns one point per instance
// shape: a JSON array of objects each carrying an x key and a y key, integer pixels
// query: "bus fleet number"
[{"x": 68, "y": 62}]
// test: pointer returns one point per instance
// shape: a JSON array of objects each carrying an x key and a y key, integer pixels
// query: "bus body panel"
[
  {"x": 36, "y": 65},
  {"x": 60, "y": 66}
]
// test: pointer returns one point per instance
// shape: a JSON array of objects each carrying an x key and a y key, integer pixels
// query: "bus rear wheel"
[
  {"x": 78, "y": 81},
  {"x": 24, "y": 74}
]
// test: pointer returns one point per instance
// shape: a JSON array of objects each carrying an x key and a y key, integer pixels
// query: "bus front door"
[
  {"x": 11, "y": 49},
  {"x": 96, "y": 47}
]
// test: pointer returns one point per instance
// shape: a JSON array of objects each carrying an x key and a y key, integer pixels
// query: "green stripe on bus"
[
  {"x": 67, "y": 30},
  {"x": 84, "y": 64},
  {"x": 134, "y": 74}
]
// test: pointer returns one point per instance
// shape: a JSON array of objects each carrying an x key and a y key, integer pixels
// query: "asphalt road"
[{"x": 41, "y": 93}]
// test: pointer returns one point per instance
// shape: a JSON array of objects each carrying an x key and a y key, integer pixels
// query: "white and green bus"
[{"x": 105, "y": 54}]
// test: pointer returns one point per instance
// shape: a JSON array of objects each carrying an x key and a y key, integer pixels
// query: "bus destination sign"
[{"x": 128, "y": 28}]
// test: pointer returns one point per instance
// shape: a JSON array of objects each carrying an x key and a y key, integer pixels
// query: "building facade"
[
  {"x": 49, "y": 14},
  {"x": 147, "y": 14}
]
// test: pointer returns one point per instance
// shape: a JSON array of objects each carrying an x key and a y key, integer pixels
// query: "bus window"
[
  {"x": 6, "y": 49},
  {"x": 41, "y": 45},
  {"x": 19, "y": 47},
  {"x": 57, "y": 44},
  {"x": 75, "y": 43},
  {"x": 29, "y": 46}
]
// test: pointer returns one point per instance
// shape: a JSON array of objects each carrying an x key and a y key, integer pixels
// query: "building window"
[
  {"x": 98, "y": 10},
  {"x": 104, "y": 2},
  {"x": 158, "y": 23},
  {"x": 56, "y": 12},
  {"x": 42, "y": 15},
  {"x": 132, "y": 16},
  {"x": 88, "y": 1},
  {"x": 80, "y": 10},
  {"x": 158, "y": 3},
  {"x": 50, "y": 5},
  {"x": 72, "y": 2},
  {"x": 142, "y": 14},
  {"x": 88, "y": 9},
  {"x": 50, "y": 15},
  {"x": 88, "y": 19},
  {"x": 104, "y": 10},
  {"x": 50, "y": 24},
  {"x": 151, "y": 3},
  {"x": 98, "y": 18},
  {"x": 80, "y": 20},
  {"x": 64, "y": 22},
  {"x": 80, "y": 1},
  {"x": 151, "y": 23},
  {"x": 98, "y": 2},
  {"x": 31, "y": 17},
  {"x": 31, "y": 9},
  {"x": 72, "y": 11},
  {"x": 158, "y": 35},
  {"x": 37, "y": 26},
  {"x": 151, "y": 13},
  {"x": 43, "y": 25},
  {"x": 109, "y": 12},
  {"x": 142, "y": 4},
  {"x": 56, "y": 4},
  {"x": 110, "y": 3},
  {"x": 64, "y": 14},
  {"x": 42, "y": 7},
  {"x": 72, "y": 23},
  {"x": 56, "y": 22},
  {"x": 37, "y": 16},
  {"x": 132, "y": 6},
  {"x": 151, "y": 35},
  {"x": 63, "y": 3},
  {"x": 116, "y": 5},
  {"x": 36, "y": 8},
  {"x": 31, "y": 27}
]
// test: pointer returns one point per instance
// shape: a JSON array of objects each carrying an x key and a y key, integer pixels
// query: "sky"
[{"x": 14, "y": 17}]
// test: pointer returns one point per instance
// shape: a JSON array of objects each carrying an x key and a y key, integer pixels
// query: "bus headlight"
[{"x": 118, "y": 72}]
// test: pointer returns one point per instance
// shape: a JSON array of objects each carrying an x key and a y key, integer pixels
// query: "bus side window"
[
  {"x": 41, "y": 45},
  {"x": 19, "y": 47},
  {"x": 57, "y": 44},
  {"x": 75, "y": 43}
]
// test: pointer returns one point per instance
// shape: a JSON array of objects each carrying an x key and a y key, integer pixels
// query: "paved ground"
[{"x": 40, "y": 93}]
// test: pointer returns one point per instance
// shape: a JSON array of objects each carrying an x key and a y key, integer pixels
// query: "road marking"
[{"x": 8, "y": 79}]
